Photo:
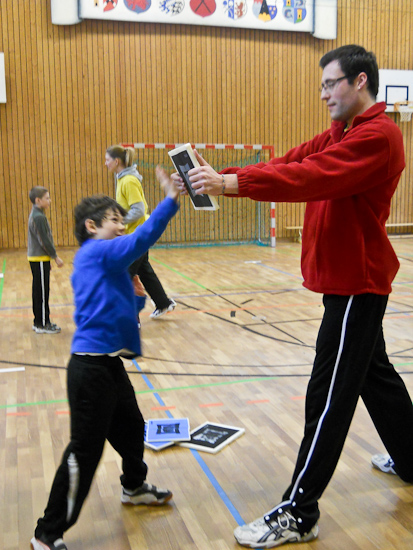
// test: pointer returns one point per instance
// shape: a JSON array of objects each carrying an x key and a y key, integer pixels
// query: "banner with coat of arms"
[{"x": 318, "y": 17}]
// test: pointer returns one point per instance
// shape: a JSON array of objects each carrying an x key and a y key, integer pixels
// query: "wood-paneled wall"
[{"x": 74, "y": 90}]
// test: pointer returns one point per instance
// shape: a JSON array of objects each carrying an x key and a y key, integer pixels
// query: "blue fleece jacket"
[{"x": 105, "y": 314}]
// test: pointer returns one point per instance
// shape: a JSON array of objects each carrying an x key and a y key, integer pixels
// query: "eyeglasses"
[
  {"x": 330, "y": 84},
  {"x": 114, "y": 219}
]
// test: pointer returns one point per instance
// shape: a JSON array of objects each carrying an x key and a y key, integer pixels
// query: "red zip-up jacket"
[{"x": 348, "y": 180}]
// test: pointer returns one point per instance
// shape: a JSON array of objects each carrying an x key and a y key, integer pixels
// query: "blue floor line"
[{"x": 224, "y": 497}]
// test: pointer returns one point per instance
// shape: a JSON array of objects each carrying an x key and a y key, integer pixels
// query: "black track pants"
[
  {"x": 40, "y": 292},
  {"x": 103, "y": 406},
  {"x": 351, "y": 361}
]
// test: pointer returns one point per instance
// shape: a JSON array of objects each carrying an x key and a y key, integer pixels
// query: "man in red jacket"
[{"x": 347, "y": 175}]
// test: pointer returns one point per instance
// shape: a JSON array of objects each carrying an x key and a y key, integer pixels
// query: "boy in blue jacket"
[{"x": 101, "y": 397}]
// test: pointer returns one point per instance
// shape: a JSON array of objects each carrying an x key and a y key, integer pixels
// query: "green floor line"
[
  {"x": 195, "y": 386},
  {"x": 2, "y": 279},
  {"x": 216, "y": 289},
  {"x": 178, "y": 388},
  {"x": 34, "y": 404},
  {"x": 178, "y": 272}
]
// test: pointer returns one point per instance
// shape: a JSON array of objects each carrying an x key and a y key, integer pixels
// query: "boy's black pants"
[
  {"x": 351, "y": 362},
  {"x": 103, "y": 406},
  {"x": 40, "y": 292}
]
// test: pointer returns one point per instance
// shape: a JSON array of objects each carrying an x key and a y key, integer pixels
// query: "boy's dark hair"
[
  {"x": 353, "y": 61},
  {"x": 93, "y": 208},
  {"x": 37, "y": 193}
]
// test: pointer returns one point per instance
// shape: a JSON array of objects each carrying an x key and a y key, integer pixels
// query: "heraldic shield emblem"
[
  {"x": 294, "y": 10},
  {"x": 138, "y": 6},
  {"x": 203, "y": 8},
  {"x": 235, "y": 9},
  {"x": 265, "y": 10},
  {"x": 109, "y": 5},
  {"x": 171, "y": 7}
]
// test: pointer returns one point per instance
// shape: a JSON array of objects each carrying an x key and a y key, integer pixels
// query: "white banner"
[
  {"x": 318, "y": 17},
  {"x": 3, "y": 96}
]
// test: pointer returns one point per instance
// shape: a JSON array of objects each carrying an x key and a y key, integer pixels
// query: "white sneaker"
[
  {"x": 146, "y": 494},
  {"x": 384, "y": 463},
  {"x": 159, "y": 312},
  {"x": 38, "y": 544},
  {"x": 269, "y": 533},
  {"x": 50, "y": 328}
]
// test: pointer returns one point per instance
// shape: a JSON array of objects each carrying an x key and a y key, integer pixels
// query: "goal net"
[{"x": 237, "y": 220}]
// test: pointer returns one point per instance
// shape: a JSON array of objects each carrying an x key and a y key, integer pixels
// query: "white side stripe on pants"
[
  {"x": 328, "y": 402},
  {"x": 73, "y": 467},
  {"x": 330, "y": 391},
  {"x": 43, "y": 294}
]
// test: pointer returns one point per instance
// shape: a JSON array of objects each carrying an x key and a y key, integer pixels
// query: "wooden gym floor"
[{"x": 237, "y": 350}]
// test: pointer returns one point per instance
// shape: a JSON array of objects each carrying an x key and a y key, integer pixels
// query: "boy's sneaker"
[
  {"x": 37, "y": 544},
  {"x": 146, "y": 494},
  {"x": 50, "y": 328},
  {"x": 266, "y": 532},
  {"x": 384, "y": 463},
  {"x": 159, "y": 312}
]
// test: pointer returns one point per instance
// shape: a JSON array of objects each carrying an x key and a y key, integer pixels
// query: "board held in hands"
[{"x": 184, "y": 159}]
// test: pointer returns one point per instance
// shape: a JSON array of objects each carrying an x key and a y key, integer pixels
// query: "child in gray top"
[{"x": 40, "y": 250}]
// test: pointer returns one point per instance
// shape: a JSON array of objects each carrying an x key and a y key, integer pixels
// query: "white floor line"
[{"x": 12, "y": 370}]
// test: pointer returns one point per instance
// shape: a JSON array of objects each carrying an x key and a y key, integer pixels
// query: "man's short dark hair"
[
  {"x": 354, "y": 60},
  {"x": 37, "y": 193},
  {"x": 93, "y": 208}
]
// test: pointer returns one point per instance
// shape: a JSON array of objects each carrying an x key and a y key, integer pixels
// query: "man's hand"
[{"x": 204, "y": 179}]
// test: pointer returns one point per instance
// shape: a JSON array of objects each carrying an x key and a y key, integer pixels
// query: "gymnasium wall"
[{"x": 74, "y": 90}]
